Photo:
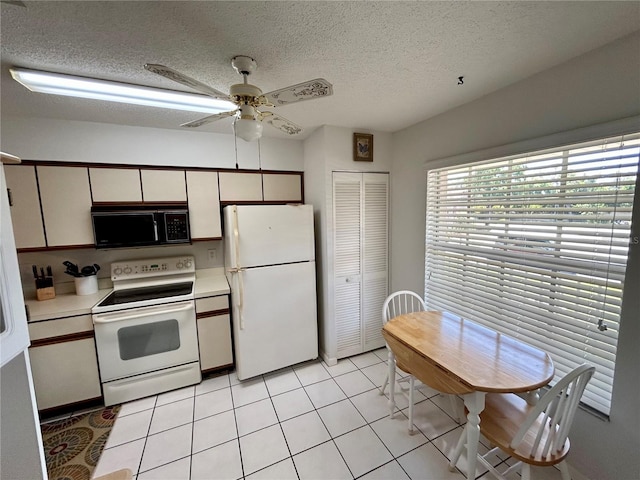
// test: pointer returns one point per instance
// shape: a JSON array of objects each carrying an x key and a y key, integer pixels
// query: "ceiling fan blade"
[
  {"x": 171, "y": 74},
  {"x": 302, "y": 91},
  {"x": 280, "y": 123},
  {"x": 209, "y": 119}
]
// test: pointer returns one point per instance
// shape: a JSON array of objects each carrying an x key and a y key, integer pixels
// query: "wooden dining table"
[{"x": 458, "y": 356}]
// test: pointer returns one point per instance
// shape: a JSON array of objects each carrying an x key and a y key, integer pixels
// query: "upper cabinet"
[
  {"x": 115, "y": 184},
  {"x": 25, "y": 206},
  {"x": 51, "y": 204},
  {"x": 240, "y": 187},
  {"x": 163, "y": 186},
  {"x": 66, "y": 205},
  {"x": 204, "y": 205},
  {"x": 282, "y": 187}
]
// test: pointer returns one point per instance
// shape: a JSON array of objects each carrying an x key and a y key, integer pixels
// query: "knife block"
[{"x": 46, "y": 293}]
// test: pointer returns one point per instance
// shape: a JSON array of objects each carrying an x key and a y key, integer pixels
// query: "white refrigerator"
[{"x": 270, "y": 266}]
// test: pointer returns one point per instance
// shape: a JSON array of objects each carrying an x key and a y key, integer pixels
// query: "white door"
[
  {"x": 274, "y": 317},
  {"x": 360, "y": 216},
  {"x": 257, "y": 235},
  {"x": 14, "y": 334}
]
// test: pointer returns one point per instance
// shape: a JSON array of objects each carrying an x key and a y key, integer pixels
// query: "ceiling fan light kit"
[
  {"x": 69, "y": 85},
  {"x": 248, "y": 98}
]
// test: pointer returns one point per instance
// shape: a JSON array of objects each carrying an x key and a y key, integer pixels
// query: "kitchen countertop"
[{"x": 209, "y": 282}]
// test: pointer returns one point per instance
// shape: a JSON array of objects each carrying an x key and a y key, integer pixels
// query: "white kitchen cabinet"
[
  {"x": 115, "y": 184},
  {"x": 163, "y": 185},
  {"x": 26, "y": 216},
  {"x": 64, "y": 362},
  {"x": 283, "y": 187},
  {"x": 66, "y": 205},
  {"x": 204, "y": 205},
  {"x": 360, "y": 277},
  {"x": 214, "y": 332},
  {"x": 240, "y": 187}
]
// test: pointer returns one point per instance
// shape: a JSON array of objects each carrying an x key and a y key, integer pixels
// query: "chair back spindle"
[{"x": 557, "y": 407}]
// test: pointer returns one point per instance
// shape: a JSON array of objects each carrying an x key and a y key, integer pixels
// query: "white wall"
[
  {"x": 60, "y": 140},
  {"x": 598, "y": 87}
]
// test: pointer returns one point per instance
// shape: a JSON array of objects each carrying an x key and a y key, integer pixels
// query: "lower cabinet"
[
  {"x": 214, "y": 332},
  {"x": 64, "y": 362}
]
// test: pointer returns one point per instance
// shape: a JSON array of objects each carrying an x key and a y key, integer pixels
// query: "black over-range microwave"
[{"x": 139, "y": 225}]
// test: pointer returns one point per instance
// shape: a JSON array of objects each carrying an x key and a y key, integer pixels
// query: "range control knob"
[
  {"x": 127, "y": 270},
  {"x": 117, "y": 271},
  {"x": 188, "y": 264},
  {"x": 179, "y": 265}
]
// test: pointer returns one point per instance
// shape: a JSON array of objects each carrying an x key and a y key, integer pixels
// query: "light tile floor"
[{"x": 310, "y": 421}]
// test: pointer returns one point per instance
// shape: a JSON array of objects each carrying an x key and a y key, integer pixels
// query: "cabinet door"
[
  {"x": 163, "y": 186},
  {"x": 115, "y": 184},
  {"x": 214, "y": 339},
  {"x": 240, "y": 187},
  {"x": 284, "y": 187},
  {"x": 214, "y": 332},
  {"x": 204, "y": 205},
  {"x": 26, "y": 216},
  {"x": 65, "y": 372},
  {"x": 66, "y": 205}
]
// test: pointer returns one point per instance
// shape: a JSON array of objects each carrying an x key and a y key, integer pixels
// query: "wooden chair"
[
  {"x": 534, "y": 434},
  {"x": 398, "y": 303}
]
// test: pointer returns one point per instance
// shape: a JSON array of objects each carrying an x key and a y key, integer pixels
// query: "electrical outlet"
[{"x": 213, "y": 254}]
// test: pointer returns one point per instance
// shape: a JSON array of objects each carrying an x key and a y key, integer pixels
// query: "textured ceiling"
[{"x": 392, "y": 64}]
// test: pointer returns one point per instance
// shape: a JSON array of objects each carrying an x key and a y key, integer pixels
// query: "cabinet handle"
[{"x": 10, "y": 197}]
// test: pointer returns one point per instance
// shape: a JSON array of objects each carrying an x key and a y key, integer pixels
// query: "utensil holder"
[{"x": 86, "y": 285}]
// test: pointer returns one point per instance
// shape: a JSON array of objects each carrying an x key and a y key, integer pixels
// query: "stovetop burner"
[
  {"x": 130, "y": 295},
  {"x": 149, "y": 282}
]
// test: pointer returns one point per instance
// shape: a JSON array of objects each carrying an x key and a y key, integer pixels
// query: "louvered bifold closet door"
[
  {"x": 347, "y": 237},
  {"x": 375, "y": 256}
]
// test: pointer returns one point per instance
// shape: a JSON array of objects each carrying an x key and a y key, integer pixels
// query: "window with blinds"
[{"x": 535, "y": 246}]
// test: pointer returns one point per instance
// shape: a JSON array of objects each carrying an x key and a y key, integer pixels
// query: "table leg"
[
  {"x": 391, "y": 360},
  {"x": 475, "y": 404}
]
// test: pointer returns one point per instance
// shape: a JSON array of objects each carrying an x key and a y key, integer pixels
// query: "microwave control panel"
[
  {"x": 132, "y": 269},
  {"x": 177, "y": 225}
]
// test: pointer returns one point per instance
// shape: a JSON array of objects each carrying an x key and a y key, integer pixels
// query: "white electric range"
[{"x": 145, "y": 330}]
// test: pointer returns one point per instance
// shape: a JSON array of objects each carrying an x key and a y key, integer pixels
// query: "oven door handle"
[{"x": 111, "y": 317}]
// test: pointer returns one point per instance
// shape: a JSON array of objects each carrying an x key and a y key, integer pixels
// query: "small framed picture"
[{"x": 362, "y": 147}]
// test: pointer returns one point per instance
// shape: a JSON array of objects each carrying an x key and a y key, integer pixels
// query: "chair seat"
[{"x": 500, "y": 420}]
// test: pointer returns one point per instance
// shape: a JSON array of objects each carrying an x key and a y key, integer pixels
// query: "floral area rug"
[{"x": 72, "y": 446}]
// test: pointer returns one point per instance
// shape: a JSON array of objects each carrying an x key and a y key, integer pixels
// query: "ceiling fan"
[{"x": 249, "y": 98}]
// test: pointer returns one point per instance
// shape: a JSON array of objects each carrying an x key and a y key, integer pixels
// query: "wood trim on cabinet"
[
  {"x": 213, "y": 313},
  {"x": 210, "y": 371},
  {"x": 57, "y": 247},
  {"x": 205, "y": 239},
  {"x": 53, "y": 163},
  {"x": 51, "y": 412},
  {"x": 71, "y": 337}
]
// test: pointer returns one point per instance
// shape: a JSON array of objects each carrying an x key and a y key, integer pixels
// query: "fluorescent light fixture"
[{"x": 59, "y": 84}]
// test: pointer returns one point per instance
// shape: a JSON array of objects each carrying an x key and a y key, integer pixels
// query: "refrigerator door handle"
[
  {"x": 238, "y": 269},
  {"x": 240, "y": 304}
]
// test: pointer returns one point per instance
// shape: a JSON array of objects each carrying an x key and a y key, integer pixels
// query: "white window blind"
[{"x": 535, "y": 246}]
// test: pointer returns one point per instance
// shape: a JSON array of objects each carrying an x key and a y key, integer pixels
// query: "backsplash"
[{"x": 89, "y": 256}]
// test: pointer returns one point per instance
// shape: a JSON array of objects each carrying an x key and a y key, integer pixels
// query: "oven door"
[{"x": 140, "y": 340}]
